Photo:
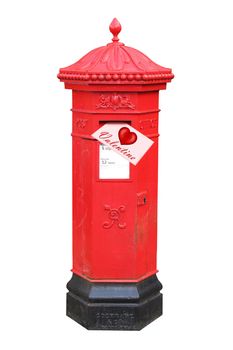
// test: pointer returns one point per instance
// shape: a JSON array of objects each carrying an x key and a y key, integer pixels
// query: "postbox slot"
[{"x": 102, "y": 122}]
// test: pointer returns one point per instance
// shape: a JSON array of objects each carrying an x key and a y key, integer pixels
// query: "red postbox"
[{"x": 114, "y": 283}]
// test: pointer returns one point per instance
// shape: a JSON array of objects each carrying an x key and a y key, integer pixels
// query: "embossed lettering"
[
  {"x": 114, "y": 217},
  {"x": 115, "y": 101}
]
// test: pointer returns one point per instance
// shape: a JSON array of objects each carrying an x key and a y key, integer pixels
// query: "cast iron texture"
[{"x": 114, "y": 306}]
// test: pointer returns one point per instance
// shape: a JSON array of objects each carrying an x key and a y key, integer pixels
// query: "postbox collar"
[{"x": 115, "y": 63}]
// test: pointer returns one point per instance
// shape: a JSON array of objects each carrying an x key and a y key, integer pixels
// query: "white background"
[{"x": 195, "y": 174}]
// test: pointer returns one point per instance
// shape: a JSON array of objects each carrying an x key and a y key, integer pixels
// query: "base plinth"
[{"x": 114, "y": 306}]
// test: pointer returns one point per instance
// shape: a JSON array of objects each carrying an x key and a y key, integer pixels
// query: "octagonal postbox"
[{"x": 114, "y": 283}]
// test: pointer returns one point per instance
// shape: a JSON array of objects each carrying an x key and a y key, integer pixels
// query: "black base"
[{"x": 114, "y": 306}]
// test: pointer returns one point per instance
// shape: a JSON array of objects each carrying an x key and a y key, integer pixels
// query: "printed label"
[{"x": 111, "y": 164}]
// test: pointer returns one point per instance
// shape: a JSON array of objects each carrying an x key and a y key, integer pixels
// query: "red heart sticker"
[{"x": 127, "y": 137}]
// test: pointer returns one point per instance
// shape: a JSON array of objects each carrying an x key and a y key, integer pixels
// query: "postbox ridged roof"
[{"x": 115, "y": 63}]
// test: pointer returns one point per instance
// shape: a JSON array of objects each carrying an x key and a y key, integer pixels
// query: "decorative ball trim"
[{"x": 115, "y": 77}]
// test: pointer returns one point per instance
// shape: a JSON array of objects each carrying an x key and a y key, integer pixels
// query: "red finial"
[{"x": 115, "y": 28}]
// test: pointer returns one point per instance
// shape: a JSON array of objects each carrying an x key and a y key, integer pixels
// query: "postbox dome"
[{"x": 115, "y": 63}]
